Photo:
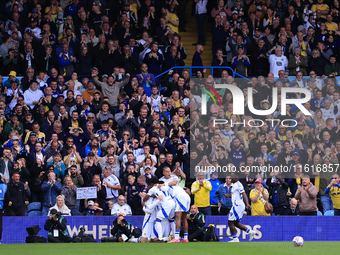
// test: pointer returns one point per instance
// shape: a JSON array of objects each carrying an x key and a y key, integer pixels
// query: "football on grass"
[{"x": 298, "y": 241}]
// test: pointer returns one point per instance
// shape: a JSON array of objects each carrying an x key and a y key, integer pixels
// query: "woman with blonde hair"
[
  {"x": 60, "y": 206},
  {"x": 320, "y": 123}
]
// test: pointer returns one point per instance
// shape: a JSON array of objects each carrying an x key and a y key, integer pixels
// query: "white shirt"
[
  {"x": 142, "y": 157},
  {"x": 113, "y": 180},
  {"x": 277, "y": 64},
  {"x": 124, "y": 210},
  {"x": 172, "y": 178},
  {"x": 163, "y": 191},
  {"x": 155, "y": 102},
  {"x": 6, "y": 172},
  {"x": 201, "y": 6},
  {"x": 236, "y": 193},
  {"x": 9, "y": 93},
  {"x": 328, "y": 113}
]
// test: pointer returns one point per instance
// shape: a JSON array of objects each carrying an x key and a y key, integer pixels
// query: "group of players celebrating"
[{"x": 167, "y": 205}]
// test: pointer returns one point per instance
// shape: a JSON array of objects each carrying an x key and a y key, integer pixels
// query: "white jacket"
[{"x": 31, "y": 96}]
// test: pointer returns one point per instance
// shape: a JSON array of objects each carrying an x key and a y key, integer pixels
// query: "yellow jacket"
[{"x": 202, "y": 194}]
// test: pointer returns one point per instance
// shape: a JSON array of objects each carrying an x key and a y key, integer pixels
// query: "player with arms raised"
[
  {"x": 236, "y": 212},
  {"x": 182, "y": 200}
]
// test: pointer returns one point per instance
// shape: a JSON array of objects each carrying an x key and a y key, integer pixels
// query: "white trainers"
[
  {"x": 251, "y": 235},
  {"x": 234, "y": 240}
]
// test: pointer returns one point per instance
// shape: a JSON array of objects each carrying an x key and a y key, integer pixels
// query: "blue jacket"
[
  {"x": 50, "y": 193},
  {"x": 220, "y": 196},
  {"x": 214, "y": 184}
]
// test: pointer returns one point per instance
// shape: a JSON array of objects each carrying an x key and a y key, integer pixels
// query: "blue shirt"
[{"x": 214, "y": 184}]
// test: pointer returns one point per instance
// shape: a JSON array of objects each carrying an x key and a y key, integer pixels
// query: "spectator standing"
[
  {"x": 51, "y": 190},
  {"x": 223, "y": 196},
  {"x": 16, "y": 197},
  {"x": 333, "y": 190},
  {"x": 306, "y": 195},
  {"x": 259, "y": 197},
  {"x": 201, "y": 189},
  {"x": 200, "y": 15}
]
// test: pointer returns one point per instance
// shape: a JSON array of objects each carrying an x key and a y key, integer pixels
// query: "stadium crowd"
[{"x": 88, "y": 111}]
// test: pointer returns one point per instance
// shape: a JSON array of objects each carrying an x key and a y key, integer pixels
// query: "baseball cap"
[
  {"x": 14, "y": 80},
  {"x": 258, "y": 180},
  {"x": 90, "y": 202},
  {"x": 85, "y": 102},
  {"x": 126, "y": 4},
  {"x": 34, "y": 11},
  {"x": 105, "y": 75},
  {"x": 28, "y": 113},
  {"x": 15, "y": 138},
  {"x": 96, "y": 93},
  {"x": 53, "y": 211},
  {"x": 90, "y": 154},
  {"x": 300, "y": 28},
  {"x": 33, "y": 20},
  {"x": 296, "y": 153},
  {"x": 61, "y": 95},
  {"x": 234, "y": 12},
  {"x": 32, "y": 134},
  {"x": 94, "y": 68}
]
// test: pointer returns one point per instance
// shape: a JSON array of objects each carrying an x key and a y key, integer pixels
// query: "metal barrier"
[{"x": 203, "y": 67}]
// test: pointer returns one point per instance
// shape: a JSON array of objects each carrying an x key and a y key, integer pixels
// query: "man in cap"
[
  {"x": 259, "y": 197},
  {"x": 56, "y": 227},
  {"x": 33, "y": 29},
  {"x": 241, "y": 62}
]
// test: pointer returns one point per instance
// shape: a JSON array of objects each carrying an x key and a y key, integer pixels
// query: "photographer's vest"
[
  {"x": 53, "y": 226},
  {"x": 3, "y": 189}
]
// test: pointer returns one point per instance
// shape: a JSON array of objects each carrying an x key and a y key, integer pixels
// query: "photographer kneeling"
[
  {"x": 121, "y": 229},
  {"x": 196, "y": 221},
  {"x": 56, "y": 227}
]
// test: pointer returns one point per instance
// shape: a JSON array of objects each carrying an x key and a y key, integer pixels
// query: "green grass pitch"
[{"x": 222, "y": 248}]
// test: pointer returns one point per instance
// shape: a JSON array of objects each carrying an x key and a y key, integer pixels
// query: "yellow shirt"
[
  {"x": 335, "y": 195},
  {"x": 246, "y": 134},
  {"x": 41, "y": 137},
  {"x": 54, "y": 12},
  {"x": 202, "y": 194},
  {"x": 321, "y": 7},
  {"x": 331, "y": 28},
  {"x": 297, "y": 132},
  {"x": 75, "y": 124},
  {"x": 134, "y": 8},
  {"x": 73, "y": 161},
  {"x": 257, "y": 208},
  {"x": 172, "y": 17}
]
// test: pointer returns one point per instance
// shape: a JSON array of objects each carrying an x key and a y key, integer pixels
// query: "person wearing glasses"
[{"x": 333, "y": 189}]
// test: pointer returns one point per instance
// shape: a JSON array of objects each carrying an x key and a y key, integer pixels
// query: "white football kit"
[
  {"x": 150, "y": 210},
  {"x": 237, "y": 210},
  {"x": 182, "y": 199},
  {"x": 172, "y": 178},
  {"x": 167, "y": 204}
]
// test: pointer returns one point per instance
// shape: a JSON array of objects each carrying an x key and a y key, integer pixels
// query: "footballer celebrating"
[{"x": 236, "y": 212}]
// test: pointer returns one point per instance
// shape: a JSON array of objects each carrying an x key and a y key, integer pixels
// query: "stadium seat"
[
  {"x": 329, "y": 213},
  {"x": 35, "y": 213},
  {"x": 34, "y": 206},
  {"x": 319, "y": 213}
]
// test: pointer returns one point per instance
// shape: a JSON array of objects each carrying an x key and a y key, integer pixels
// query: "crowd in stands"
[{"x": 88, "y": 110}]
